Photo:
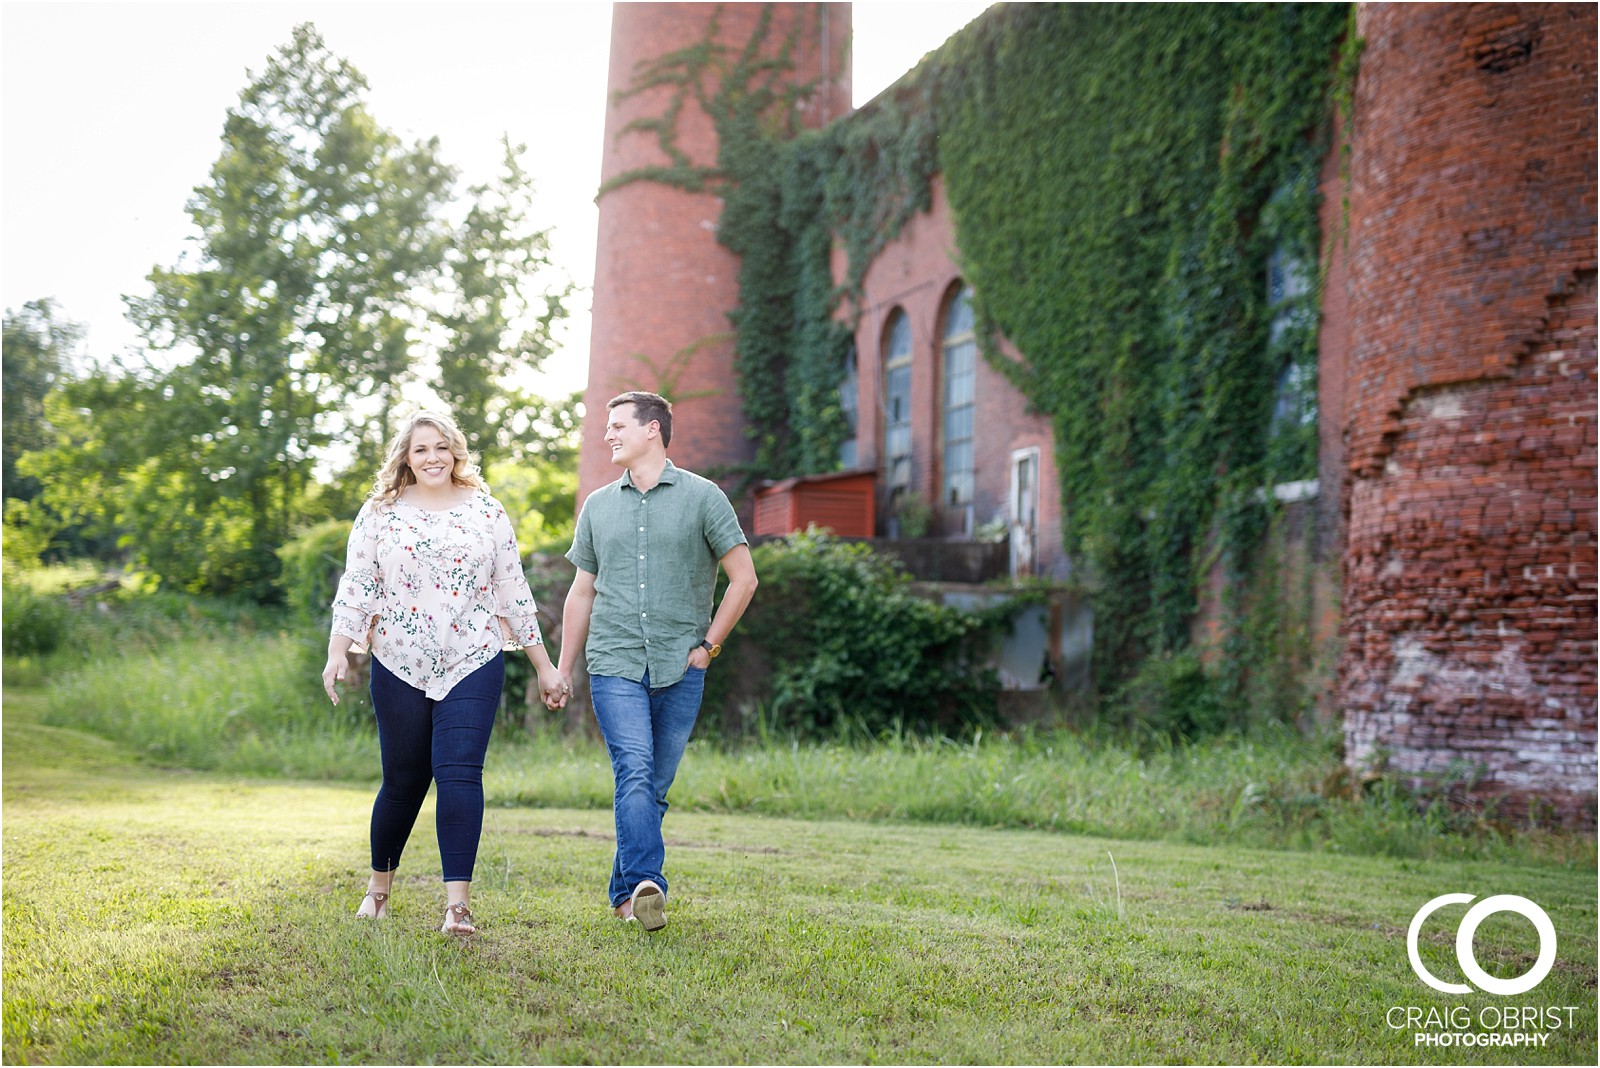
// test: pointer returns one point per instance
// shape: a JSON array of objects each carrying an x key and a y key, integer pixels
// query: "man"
[{"x": 647, "y": 548}]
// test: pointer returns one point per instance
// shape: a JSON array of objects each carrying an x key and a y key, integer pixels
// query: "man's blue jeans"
[{"x": 646, "y": 731}]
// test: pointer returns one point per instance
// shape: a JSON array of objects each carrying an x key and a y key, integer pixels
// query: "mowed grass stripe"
[{"x": 156, "y": 916}]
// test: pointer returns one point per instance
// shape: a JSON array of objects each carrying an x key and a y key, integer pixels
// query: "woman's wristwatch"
[{"x": 714, "y": 650}]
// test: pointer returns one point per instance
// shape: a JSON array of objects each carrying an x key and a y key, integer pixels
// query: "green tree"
[
  {"x": 37, "y": 347},
  {"x": 323, "y": 278},
  {"x": 95, "y": 424},
  {"x": 39, "y": 354},
  {"x": 294, "y": 320},
  {"x": 506, "y": 305},
  {"x": 314, "y": 231}
]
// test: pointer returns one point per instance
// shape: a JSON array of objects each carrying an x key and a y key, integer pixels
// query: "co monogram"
[{"x": 1469, "y": 927}]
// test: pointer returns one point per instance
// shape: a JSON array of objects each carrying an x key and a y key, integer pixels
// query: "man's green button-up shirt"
[{"x": 654, "y": 558}]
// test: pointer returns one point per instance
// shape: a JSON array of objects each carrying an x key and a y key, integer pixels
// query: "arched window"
[
  {"x": 897, "y": 407},
  {"x": 960, "y": 380}
]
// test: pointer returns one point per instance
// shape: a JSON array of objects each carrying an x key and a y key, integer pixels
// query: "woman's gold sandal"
[{"x": 458, "y": 920}]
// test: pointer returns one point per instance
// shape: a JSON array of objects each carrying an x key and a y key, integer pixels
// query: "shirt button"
[
  {"x": 641, "y": 530},
  {"x": 641, "y": 585}
]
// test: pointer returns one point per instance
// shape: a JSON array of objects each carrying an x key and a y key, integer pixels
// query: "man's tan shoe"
[{"x": 649, "y": 906}]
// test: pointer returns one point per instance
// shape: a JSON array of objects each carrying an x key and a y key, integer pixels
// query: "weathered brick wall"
[
  {"x": 663, "y": 285},
  {"x": 1468, "y": 399}
]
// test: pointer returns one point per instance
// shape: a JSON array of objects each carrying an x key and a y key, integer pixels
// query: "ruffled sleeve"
[
  {"x": 357, "y": 599},
  {"x": 513, "y": 600}
]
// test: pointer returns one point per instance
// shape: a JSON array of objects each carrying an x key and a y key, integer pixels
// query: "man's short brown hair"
[{"x": 648, "y": 407}]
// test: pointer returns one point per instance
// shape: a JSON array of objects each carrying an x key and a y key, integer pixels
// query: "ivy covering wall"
[{"x": 1121, "y": 177}]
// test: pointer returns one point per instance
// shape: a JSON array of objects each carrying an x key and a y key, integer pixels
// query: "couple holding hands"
[{"x": 433, "y": 579}]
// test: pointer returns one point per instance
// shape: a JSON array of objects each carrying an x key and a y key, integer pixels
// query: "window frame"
[
  {"x": 850, "y": 407},
  {"x": 896, "y": 482},
  {"x": 952, "y": 342}
]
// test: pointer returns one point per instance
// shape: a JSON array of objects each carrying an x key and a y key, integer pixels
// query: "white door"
[{"x": 1024, "y": 508}]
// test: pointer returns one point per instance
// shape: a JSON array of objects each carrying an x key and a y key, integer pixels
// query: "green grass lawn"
[{"x": 172, "y": 916}]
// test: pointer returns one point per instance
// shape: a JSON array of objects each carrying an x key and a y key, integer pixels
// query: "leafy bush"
[
  {"x": 836, "y": 641},
  {"x": 541, "y": 497},
  {"x": 312, "y": 564},
  {"x": 114, "y": 619},
  {"x": 549, "y": 578},
  {"x": 33, "y": 624},
  {"x": 29, "y": 529},
  {"x": 1173, "y": 695}
]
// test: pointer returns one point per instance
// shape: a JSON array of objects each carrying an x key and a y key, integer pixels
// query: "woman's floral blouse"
[{"x": 426, "y": 590}]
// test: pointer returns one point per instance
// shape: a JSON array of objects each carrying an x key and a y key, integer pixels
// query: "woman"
[{"x": 431, "y": 573}]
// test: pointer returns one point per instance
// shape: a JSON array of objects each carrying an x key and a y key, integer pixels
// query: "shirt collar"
[{"x": 669, "y": 475}]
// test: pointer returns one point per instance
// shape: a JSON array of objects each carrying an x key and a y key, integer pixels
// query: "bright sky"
[{"x": 110, "y": 114}]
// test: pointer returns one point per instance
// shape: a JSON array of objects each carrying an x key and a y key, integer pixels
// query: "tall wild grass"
[
  {"x": 235, "y": 688},
  {"x": 252, "y": 706},
  {"x": 198, "y": 682},
  {"x": 1274, "y": 790}
]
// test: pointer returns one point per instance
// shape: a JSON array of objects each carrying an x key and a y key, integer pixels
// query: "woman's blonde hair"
[{"x": 395, "y": 474}]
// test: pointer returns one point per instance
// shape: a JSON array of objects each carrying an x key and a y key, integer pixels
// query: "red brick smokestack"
[
  {"x": 663, "y": 285},
  {"x": 1469, "y": 400}
]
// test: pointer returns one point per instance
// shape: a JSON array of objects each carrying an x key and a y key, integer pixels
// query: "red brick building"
[
  {"x": 941, "y": 426},
  {"x": 1455, "y": 508}
]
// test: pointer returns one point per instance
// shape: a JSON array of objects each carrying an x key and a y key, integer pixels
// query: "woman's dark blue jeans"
[{"x": 441, "y": 741}]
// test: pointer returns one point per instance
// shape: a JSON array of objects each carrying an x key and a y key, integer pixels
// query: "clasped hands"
[{"x": 555, "y": 687}]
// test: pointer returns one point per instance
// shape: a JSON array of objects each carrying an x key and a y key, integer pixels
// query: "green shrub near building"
[{"x": 837, "y": 643}]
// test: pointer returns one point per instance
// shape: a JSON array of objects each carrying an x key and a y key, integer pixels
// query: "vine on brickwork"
[
  {"x": 1344, "y": 96},
  {"x": 787, "y": 194},
  {"x": 746, "y": 93},
  {"x": 1120, "y": 178},
  {"x": 1126, "y": 259}
]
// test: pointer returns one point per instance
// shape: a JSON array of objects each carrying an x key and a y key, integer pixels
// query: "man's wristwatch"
[{"x": 714, "y": 650}]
